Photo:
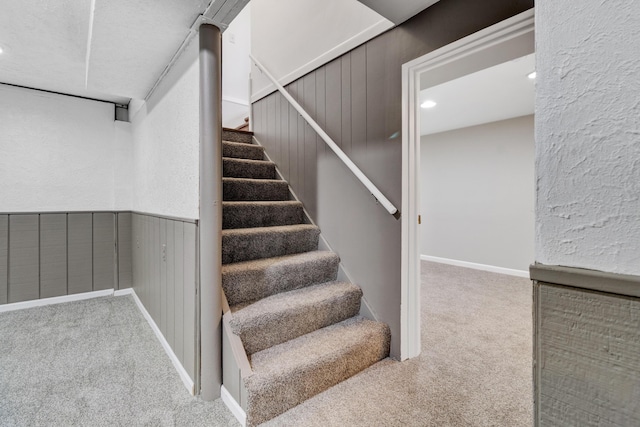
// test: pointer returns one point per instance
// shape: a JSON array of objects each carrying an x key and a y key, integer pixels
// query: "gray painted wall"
[
  {"x": 357, "y": 99},
  {"x": 45, "y": 255},
  {"x": 477, "y": 194},
  {"x": 164, "y": 278}
]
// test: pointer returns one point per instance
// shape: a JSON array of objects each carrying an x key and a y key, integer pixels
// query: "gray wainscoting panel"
[
  {"x": 357, "y": 99},
  {"x": 45, "y": 255},
  {"x": 165, "y": 280},
  {"x": 24, "y": 258},
  {"x": 189, "y": 242},
  {"x": 104, "y": 251},
  {"x": 4, "y": 251},
  {"x": 587, "y": 367},
  {"x": 125, "y": 270},
  {"x": 80, "y": 247},
  {"x": 53, "y": 255}
]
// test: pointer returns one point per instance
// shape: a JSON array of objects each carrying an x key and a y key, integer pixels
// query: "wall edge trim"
[
  {"x": 55, "y": 300},
  {"x": 476, "y": 266},
  {"x": 172, "y": 218},
  {"x": 233, "y": 406},
  {"x": 346, "y": 46},
  {"x": 581, "y": 278},
  {"x": 182, "y": 372}
]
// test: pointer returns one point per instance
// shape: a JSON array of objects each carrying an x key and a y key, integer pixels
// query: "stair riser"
[
  {"x": 255, "y": 191},
  {"x": 252, "y": 285},
  {"x": 250, "y": 216},
  {"x": 297, "y": 322},
  {"x": 296, "y": 387},
  {"x": 237, "y": 136},
  {"x": 239, "y": 169},
  {"x": 242, "y": 247},
  {"x": 243, "y": 151}
]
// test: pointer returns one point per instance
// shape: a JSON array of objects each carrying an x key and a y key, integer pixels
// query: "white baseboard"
[
  {"x": 123, "y": 292},
  {"x": 233, "y": 406},
  {"x": 184, "y": 376},
  {"x": 483, "y": 267},
  {"x": 54, "y": 300}
]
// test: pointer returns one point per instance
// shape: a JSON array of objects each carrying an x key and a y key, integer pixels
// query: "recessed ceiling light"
[
  {"x": 532, "y": 75},
  {"x": 428, "y": 104},
  {"x": 1, "y": 50}
]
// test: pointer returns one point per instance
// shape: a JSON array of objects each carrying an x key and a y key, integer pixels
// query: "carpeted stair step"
[
  {"x": 236, "y": 135},
  {"x": 243, "y": 244},
  {"x": 236, "y": 189},
  {"x": 241, "y": 150},
  {"x": 290, "y": 373},
  {"x": 251, "y": 280},
  {"x": 261, "y": 214},
  {"x": 283, "y": 317},
  {"x": 243, "y": 168}
]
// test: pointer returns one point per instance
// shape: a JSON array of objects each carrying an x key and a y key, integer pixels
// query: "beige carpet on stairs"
[{"x": 474, "y": 370}]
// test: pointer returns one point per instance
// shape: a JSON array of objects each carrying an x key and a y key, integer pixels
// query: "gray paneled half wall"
[
  {"x": 165, "y": 280},
  {"x": 44, "y": 255}
]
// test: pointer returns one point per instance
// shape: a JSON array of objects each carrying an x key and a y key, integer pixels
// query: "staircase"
[{"x": 299, "y": 326}]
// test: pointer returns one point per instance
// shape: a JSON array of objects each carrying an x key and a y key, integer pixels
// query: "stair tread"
[
  {"x": 246, "y": 314},
  {"x": 310, "y": 349},
  {"x": 288, "y": 315},
  {"x": 262, "y": 203},
  {"x": 242, "y": 144},
  {"x": 254, "y": 180},
  {"x": 251, "y": 280},
  {"x": 267, "y": 230},
  {"x": 247, "y": 161}
]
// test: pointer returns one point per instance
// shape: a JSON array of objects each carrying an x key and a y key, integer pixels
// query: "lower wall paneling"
[
  {"x": 45, "y": 255},
  {"x": 164, "y": 278},
  {"x": 586, "y": 347}
]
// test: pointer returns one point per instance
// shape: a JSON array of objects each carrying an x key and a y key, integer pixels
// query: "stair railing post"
[{"x": 210, "y": 211}]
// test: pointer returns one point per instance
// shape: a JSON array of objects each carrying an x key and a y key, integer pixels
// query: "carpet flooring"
[
  {"x": 97, "y": 363},
  {"x": 92, "y": 363}
]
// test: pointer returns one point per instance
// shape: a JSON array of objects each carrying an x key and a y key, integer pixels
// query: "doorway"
[{"x": 500, "y": 43}]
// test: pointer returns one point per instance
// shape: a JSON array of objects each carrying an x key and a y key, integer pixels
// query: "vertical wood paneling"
[
  {"x": 80, "y": 272},
  {"x": 293, "y": 147},
  {"x": 310, "y": 145},
  {"x": 277, "y": 137},
  {"x": 53, "y": 255},
  {"x": 163, "y": 277},
  {"x": 179, "y": 291},
  {"x": 171, "y": 280},
  {"x": 333, "y": 98},
  {"x": 320, "y": 113},
  {"x": 189, "y": 298},
  {"x": 283, "y": 165},
  {"x": 125, "y": 254},
  {"x": 345, "y": 64},
  {"x": 23, "y": 258},
  {"x": 4, "y": 251},
  {"x": 358, "y": 103},
  {"x": 104, "y": 235},
  {"x": 154, "y": 265}
]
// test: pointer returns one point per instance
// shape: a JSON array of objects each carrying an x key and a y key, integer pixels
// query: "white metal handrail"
[{"x": 327, "y": 139}]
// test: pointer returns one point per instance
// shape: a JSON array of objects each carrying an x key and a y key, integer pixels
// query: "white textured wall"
[
  {"x": 236, "y": 67},
  {"x": 166, "y": 143},
  {"x": 477, "y": 194},
  {"x": 588, "y": 134},
  {"x": 294, "y": 37},
  {"x": 59, "y": 153}
]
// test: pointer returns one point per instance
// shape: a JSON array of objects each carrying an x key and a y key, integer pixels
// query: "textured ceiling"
[
  {"x": 497, "y": 93},
  {"x": 112, "y": 50}
]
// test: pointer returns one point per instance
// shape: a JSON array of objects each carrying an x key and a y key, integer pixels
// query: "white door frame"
[{"x": 501, "y": 32}]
